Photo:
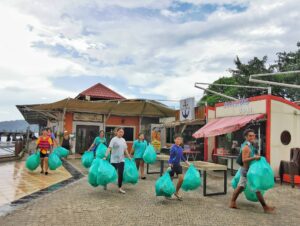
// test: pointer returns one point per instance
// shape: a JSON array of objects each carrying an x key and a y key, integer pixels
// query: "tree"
[{"x": 240, "y": 76}]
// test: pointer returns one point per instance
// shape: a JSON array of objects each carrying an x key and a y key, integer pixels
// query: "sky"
[{"x": 154, "y": 49}]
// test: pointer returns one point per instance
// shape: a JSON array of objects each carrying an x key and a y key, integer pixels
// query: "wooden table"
[
  {"x": 162, "y": 158},
  {"x": 208, "y": 166},
  {"x": 227, "y": 157}
]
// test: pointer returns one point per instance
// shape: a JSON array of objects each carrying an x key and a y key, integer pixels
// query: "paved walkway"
[
  {"x": 16, "y": 181},
  {"x": 81, "y": 204}
]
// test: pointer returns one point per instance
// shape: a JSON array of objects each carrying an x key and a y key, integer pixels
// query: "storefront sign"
[
  {"x": 243, "y": 105},
  {"x": 187, "y": 110},
  {"x": 87, "y": 117}
]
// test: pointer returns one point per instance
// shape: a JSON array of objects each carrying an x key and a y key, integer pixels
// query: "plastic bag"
[
  {"x": 250, "y": 195},
  {"x": 54, "y": 161},
  {"x": 93, "y": 172},
  {"x": 87, "y": 159},
  {"x": 130, "y": 174},
  {"x": 61, "y": 152},
  {"x": 101, "y": 150},
  {"x": 260, "y": 175},
  {"x": 164, "y": 186},
  {"x": 192, "y": 179},
  {"x": 149, "y": 155},
  {"x": 33, "y": 161},
  {"x": 106, "y": 173},
  {"x": 236, "y": 179}
]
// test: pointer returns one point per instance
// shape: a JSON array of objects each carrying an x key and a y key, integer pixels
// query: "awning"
[{"x": 225, "y": 125}]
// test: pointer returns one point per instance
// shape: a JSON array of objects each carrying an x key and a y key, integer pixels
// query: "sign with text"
[
  {"x": 187, "y": 110},
  {"x": 87, "y": 117}
]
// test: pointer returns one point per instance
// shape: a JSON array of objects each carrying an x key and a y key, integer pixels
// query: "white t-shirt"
[{"x": 118, "y": 147}]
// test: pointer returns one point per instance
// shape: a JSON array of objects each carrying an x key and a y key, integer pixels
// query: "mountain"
[{"x": 17, "y": 126}]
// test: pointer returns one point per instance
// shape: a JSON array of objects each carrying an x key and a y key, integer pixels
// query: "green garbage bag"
[
  {"x": 87, "y": 159},
  {"x": 106, "y": 173},
  {"x": 236, "y": 179},
  {"x": 260, "y": 175},
  {"x": 61, "y": 152},
  {"x": 130, "y": 174},
  {"x": 93, "y": 172},
  {"x": 250, "y": 195},
  {"x": 192, "y": 179},
  {"x": 101, "y": 150},
  {"x": 33, "y": 161},
  {"x": 149, "y": 155},
  {"x": 164, "y": 186},
  {"x": 54, "y": 161}
]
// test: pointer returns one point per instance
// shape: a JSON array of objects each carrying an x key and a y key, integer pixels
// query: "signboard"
[
  {"x": 87, "y": 117},
  {"x": 243, "y": 105},
  {"x": 157, "y": 133},
  {"x": 187, "y": 110}
]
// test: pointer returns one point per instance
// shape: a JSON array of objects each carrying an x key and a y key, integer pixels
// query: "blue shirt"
[
  {"x": 252, "y": 148},
  {"x": 176, "y": 155}
]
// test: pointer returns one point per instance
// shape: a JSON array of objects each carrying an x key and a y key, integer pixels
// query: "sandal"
[{"x": 46, "y": 173}]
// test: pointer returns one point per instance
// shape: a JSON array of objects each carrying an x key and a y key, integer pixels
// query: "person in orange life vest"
[
  {"x": 52, "y": 136},
  {"x": 44, "y": 143}
]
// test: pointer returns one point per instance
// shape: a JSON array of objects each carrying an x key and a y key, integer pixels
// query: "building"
[
  {"x": 97, "y": 108},
  {"x": 275, "y": 120}
]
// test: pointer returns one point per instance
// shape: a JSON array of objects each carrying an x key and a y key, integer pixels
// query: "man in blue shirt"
[{"x": 176, "y": 155}]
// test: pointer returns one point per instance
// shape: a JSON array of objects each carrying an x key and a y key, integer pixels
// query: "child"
[
  {"x": 44, "y": 143},
  {"x": 118, "y": 149},
  {"x": 176, "y": 155},
  {"x": 138, "y": 148}
]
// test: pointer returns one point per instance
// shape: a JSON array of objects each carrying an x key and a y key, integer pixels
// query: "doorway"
[{"x": 85, "y": 136}]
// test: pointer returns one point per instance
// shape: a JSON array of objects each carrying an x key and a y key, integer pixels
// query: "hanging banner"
[{"x": 187, "y": 110}]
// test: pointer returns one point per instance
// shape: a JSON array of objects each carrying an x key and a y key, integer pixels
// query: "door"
[{"x": 85, "y": 136}]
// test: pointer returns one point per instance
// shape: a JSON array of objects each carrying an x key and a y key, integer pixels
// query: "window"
[
  {"x": 285, "y": 137},
  {"x": 170, "y": 135},
  {"x": 128, "y": 133}
]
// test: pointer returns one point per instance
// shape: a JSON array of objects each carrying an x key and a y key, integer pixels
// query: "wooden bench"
[{"x": 208, "y": 166}]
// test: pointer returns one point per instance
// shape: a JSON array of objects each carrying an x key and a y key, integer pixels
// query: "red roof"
[{"x": 100, "y": 91}]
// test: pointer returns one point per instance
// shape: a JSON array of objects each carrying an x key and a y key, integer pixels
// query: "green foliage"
[{"x": 240, "y": 76}]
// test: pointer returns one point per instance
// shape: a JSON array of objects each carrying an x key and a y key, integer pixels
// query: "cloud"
[{"x": 157, "y": 48}]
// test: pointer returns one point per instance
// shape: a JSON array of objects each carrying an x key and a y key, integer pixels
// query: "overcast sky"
[{"x": 53, "y": 49}]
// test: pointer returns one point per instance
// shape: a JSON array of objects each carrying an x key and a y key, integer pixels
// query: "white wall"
[{"x": 283, "y": 117}]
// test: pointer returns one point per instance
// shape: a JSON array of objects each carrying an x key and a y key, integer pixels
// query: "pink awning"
[{"x": 225, "y": 125}]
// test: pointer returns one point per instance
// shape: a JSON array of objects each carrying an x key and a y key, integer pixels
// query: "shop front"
[{"x": 275, "y": 120}]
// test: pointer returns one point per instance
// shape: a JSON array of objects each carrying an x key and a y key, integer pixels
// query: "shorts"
[
  {"x": 44, "y": 155},
  {"x": 176, "y": 169},
  {"x": 243, "y": 179}
]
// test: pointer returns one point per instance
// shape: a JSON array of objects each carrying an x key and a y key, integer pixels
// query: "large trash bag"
[
  {"x": 61, "y": 152},
  {"x": 93, "y": 172},
  {"x": 54, "y": 161},
  {"x": 106, "y": 173},
  {"x": 101, "y": 150},
  {"x": 87, "y": 159},
  {"x": 192, "y": 179},
  {"x": 130, "y": 174},
  {"x": 250, "y": 195},
  {"x": 149, "y": 155},
  {"x": 164, "y": 186},
  {"x": 33, "y": 161},
  {"x": 260, "y": 175},
  {"x": 236, "y": 179}
]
